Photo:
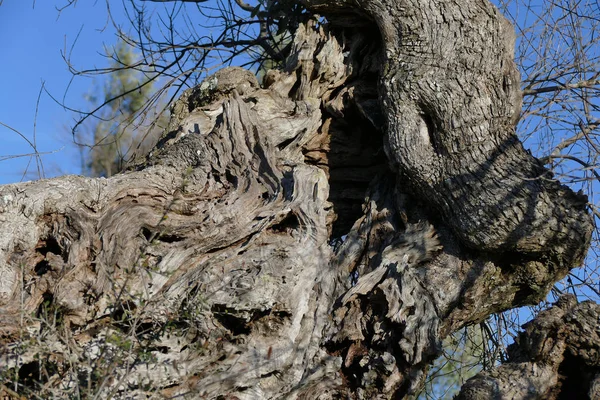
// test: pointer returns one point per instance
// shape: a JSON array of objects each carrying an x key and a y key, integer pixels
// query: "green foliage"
[
  {"x": 124, "y": 122},
  {"x": 461, "y": 359}
]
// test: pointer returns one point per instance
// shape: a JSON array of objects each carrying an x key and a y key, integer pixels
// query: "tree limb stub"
[
  {"x": 555, "y": 357},
  {"x": 449, "y": 89}
]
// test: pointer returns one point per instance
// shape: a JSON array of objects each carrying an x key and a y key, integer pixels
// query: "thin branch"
[
  {"x": 587, "y": 166},
  {"x": 245, "y": 6},
  {"x": 561, "y": 87}
]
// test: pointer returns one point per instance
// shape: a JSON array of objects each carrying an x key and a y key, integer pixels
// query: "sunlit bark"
[{"x": 217, "y": 267}]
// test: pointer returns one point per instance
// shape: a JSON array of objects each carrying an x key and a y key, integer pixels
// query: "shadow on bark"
[{"x": 216, "y": 269}]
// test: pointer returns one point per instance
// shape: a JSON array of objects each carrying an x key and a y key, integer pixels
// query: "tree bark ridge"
[{"x": 450, "y": 94}]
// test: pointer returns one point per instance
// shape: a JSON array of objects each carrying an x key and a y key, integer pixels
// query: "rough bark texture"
[
  {"x": 451, "y": 97},
  {"x": 556, "y": 357},
  {"x": 215, "y": 268}
]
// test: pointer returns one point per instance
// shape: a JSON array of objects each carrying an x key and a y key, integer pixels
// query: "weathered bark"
[
  {"x": 556, "y": 357},
  {"x": 450, "y": 93},
  {"x": 215, "y": 267}
]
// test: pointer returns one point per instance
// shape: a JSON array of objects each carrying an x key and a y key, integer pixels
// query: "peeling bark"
[{"x": 216, "y": 267}]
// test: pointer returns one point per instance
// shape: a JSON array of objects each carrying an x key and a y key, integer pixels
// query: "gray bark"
[
  {"x": 213, "y": 268},
  {"x": 555, "y": 357}
]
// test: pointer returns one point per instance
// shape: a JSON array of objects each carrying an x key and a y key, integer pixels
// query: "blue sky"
[{"x": 33, "y": 38}]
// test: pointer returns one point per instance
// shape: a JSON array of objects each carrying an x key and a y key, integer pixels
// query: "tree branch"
[{"x": 558, "y": 88}]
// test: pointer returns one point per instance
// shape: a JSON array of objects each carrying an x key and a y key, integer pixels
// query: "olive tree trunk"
[{"x": 316, "y": 236}]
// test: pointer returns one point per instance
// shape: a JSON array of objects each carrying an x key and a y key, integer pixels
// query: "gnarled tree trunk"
[{"x": 314, "y": 237}]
